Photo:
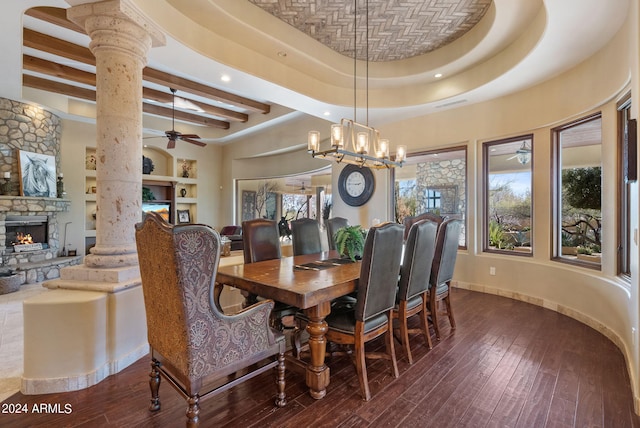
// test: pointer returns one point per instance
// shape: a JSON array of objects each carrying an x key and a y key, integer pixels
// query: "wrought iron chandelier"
[{"x": 352, "y": 142}]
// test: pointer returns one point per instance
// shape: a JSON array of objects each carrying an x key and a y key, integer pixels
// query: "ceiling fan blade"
[
  {"x": 189, "y": 136},
  {"x": 189, "y": 140},
  {"x": 171, "y": 144}
]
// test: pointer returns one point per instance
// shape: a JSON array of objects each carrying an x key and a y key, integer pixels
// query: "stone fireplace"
[
  {"x": 40, "y": 215},
  {"x": 30, "y": 128}
]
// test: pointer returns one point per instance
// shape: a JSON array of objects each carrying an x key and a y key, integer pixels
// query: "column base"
[
  {"x": 111, "y": 260},
  {"x": 90, "y": 325}
]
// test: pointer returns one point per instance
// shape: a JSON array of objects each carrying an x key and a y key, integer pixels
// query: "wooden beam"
[
  {"x": 58, "y": 88},
  {"x": 171, "y": 81},
  {"x": 186, "y": 117},
  {"x": 90, "y": 95},
  {"x": 54, "y": 15},
  {"x": 43, "y": 66},
  {"x": 43, "y": 42},
  {"x": 165, "y": 97},
  {"x": 73, "y": 74},
  {"x": 62, "y": 48}
]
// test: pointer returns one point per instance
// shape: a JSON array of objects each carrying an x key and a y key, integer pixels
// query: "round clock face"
[{"x": 356, "y": 185}]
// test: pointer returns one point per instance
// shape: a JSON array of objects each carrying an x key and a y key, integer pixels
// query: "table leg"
[{"x": 317, "y": 371}]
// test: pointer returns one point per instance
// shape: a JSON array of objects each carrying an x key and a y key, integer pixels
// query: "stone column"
[{"x": 120, "y": 40}]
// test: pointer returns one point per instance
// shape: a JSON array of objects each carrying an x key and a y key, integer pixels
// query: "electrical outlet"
[{"x": 492, "y": 270}]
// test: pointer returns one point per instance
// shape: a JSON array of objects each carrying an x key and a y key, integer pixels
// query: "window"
[
  {"x": 508, "y": 205},
  {"x": 627, "y": 173},
  {"x": 433, "y": 200},
  {"x": 295, "y": 206},
  {"x": 577, "y": 192},
  {"x": 434, "y": 181}
]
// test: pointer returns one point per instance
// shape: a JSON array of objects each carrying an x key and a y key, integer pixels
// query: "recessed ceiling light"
[
  {"x": 437, "y": 75},
  {"x": 327, "y": 113},
  {"x": 225, "y": 78}
]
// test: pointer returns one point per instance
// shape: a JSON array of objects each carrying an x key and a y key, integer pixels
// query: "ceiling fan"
[
  {"x": 302, "y": 188},
  {"x": 174, "y": 135},
  {"x": 523, "y": 154}
]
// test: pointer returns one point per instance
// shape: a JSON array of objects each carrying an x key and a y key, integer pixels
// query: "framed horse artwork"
[{"x": 37, "y": 174}]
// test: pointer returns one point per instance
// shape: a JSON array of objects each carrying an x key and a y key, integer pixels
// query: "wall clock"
[{"x": 356, "y": 185}]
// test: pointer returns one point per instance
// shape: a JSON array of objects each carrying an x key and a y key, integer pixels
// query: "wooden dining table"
[{"x": 309, "y": 282}]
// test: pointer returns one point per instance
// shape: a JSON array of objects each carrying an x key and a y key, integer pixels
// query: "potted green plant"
[{"x": 350, "y": 242}]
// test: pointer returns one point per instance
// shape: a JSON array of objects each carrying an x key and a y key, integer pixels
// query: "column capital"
[{"x": 115, "y": 12}]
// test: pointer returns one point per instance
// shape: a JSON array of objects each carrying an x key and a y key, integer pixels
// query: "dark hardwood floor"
[{"x": 508, "y": 364}]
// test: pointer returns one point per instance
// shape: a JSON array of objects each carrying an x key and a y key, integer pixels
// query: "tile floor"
[{"x": 11, "y": 337}]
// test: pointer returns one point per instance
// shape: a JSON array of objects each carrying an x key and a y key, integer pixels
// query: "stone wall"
[
  {"x": 26, "y": 127},
  {"x": 447, "y": 177},
  {"x": 30, "y": 128}
]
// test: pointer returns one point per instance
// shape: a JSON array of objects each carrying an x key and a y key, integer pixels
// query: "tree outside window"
[
  {"x": 578, "y": 192},
  {"x": 508, "y": 190}
]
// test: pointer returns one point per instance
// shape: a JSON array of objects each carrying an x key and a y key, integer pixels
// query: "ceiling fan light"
[{"x": 523, "y": 156}]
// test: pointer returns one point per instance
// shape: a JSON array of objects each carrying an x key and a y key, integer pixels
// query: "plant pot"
[
  {"x": 9, "y": 283},
  {"x": 569, "y": 251}
]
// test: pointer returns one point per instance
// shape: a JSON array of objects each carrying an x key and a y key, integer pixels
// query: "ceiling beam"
[
  {"x": 54, "y": 15},
  {"x": 186, "y": 117},
  {"x": 43, "y": 66},
  {"x": 58, "y": 88},
  {"x": 90, "y": 95},
  {"x": 52, "y": 45},
  {"x": 43, "y": 42},
  {"x": 50, "y": 68},
  {"x": 162, "y": 78},
  {"x": 165, "y": 97}
]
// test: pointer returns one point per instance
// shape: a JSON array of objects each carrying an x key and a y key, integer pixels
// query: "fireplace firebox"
[{"x": 26, "y": 230}]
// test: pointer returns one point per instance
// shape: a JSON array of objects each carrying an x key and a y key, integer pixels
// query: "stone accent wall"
[
  {"x": 30, "y": 128},
  {"x": 26, "y": 127},
  {"x": 448, "y": 177}
]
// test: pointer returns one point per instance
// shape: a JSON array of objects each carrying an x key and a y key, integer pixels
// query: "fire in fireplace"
[
  {"x": 24, "y": 238},
  {"x": 26, "y": 232}
]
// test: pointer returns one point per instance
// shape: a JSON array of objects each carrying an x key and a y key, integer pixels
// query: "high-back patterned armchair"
[{"x": 193, "y": 343}]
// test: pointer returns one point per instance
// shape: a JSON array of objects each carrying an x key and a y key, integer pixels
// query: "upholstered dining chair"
[
  {"x": 193, "y": 343},
  {"x": 410, "y": 220},
  {"x": 305, "y": 236},
  {"x": 261, "y": 241},
  {"x": 412, "y": 298},
  {"x": 370, "y": 316},
  {"x": 444, "y": 261},
  {"x": 333, "y": 224}
]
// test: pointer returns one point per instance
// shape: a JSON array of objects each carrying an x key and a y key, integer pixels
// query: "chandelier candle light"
[{"x": 352, "y": 142}]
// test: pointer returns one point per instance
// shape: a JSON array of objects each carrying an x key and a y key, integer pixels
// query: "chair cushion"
[
  {"x": 344, "y": 321},
  {"x": 413, "y": 302}
]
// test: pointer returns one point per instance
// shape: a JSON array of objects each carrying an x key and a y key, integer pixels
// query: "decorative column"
[{"x": 120, "y": 40}]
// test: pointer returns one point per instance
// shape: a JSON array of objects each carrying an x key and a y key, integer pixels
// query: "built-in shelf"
[{"x": 165, "y": 182}]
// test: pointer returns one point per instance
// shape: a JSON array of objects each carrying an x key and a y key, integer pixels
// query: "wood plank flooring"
[{"x": 508, "y": 364}]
